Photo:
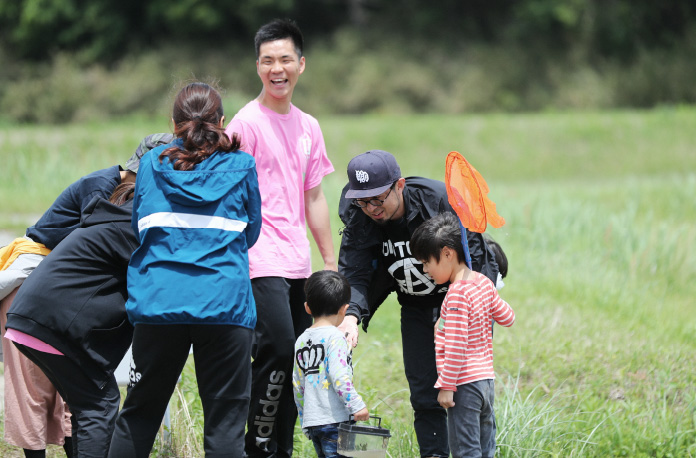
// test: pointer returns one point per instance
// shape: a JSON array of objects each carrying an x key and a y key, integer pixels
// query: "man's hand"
[
  {"x": 361, "y": 415},
  {"x": 446, "y": 398},
  {"x": 349, "y": 327}
]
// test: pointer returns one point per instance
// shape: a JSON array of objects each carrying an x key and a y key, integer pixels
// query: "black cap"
[
  {"x": 148, "y": 143},
  {"x": 371, "y": 173}
]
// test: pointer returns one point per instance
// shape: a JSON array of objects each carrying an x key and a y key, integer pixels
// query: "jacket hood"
[
  {"x": 100, "y": 210},
  {"x": 208, "y": 182}
]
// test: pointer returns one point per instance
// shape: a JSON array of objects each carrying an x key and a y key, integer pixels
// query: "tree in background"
[
  {"x": 104, "y": 29},
  {"x": 69, "y": 60}
]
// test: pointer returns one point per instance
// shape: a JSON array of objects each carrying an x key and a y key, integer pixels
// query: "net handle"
[{"x": 465, "y": 244}]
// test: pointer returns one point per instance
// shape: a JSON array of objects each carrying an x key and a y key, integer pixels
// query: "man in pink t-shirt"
[{"x": 291, "y": 161}]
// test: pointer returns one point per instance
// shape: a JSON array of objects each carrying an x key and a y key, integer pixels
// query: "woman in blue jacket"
[{"x": 196, "y": 211}]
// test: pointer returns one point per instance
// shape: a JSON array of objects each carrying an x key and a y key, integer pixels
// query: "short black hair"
[
  {"x": 499, "y": 254},
  {"x": 326, "y": 291},
  {"x": 443, "y": 230},
  {"x": 280, "y": 29}
]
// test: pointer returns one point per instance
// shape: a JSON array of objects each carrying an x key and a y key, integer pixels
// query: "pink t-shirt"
[
  {"x": 290, "y": 159},
  {"x": 30, "y": 341}
]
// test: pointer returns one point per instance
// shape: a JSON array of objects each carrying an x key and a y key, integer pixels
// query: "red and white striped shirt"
[{"x": 464, "y": 338}]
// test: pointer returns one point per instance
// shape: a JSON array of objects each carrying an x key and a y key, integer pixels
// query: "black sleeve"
[
  {"x": 355, "y": 259},
  {"x": 356, "y": 264},
  {"x": 358, "y": 261}
]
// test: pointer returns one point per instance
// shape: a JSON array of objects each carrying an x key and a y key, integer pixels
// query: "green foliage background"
[{"x": 71, "y": 60}]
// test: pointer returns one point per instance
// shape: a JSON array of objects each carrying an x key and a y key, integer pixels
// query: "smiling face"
[
  {"x": 279, "y": 68},
  {"x": 391, "y": 209}
]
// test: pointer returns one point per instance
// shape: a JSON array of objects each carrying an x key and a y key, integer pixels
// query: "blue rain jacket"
[{"x": 195, "y": 228}]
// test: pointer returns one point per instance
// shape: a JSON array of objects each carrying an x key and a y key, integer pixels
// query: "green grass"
[{"x": 600, "y": 234}]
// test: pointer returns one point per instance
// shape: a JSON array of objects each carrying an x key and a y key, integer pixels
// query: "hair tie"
[{"x": 198, "y": 118}]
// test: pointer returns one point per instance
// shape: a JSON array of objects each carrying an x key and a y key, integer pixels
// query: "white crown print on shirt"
[{"x": 362, "y": 176}]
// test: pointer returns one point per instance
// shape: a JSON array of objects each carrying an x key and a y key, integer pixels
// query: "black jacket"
[
  {"x": 75, "y": 298},
  {"x": 359, "y": 259}
]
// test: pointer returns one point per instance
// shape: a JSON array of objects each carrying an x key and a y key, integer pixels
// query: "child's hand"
[
  {"x": 362, "y": 415},
  {"x": 446, "y": 398},
  {"x": 437, "y": 323}
]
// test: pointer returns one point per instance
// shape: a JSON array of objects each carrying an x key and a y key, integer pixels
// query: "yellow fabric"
[
  {"x": 19, "y": 246},
  {"x": 467, "y": 193}
]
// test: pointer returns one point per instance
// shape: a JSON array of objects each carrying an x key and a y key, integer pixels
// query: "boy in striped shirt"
[{"x": 463, "y": 336}]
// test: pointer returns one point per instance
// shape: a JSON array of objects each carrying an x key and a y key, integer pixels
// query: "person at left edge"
[
  {"x": 34, "y": 412},
  {"x": 69, "y": 318}
]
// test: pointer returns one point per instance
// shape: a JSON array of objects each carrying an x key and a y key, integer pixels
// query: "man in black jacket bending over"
[{"x": 380, "y": 210}]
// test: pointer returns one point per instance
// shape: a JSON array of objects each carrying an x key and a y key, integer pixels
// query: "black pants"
[
  {"x": 281, "y": 318},
  {"x": 93, "y": 408},
  {"x": 418, "y": 341},
  {"x": 222, "y": 358}
]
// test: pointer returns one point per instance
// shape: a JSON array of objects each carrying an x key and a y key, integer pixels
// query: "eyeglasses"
[{"x": 375, "y": 202}]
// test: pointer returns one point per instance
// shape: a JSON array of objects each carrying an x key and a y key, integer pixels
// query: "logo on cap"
[{"x": 362, "y": 176}]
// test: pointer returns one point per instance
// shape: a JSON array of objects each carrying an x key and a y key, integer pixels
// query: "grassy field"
[{"x": 600, "y": 234}]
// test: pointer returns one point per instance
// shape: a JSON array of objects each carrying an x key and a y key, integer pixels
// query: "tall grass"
[
  {"x": 534, "y": 425},
  {"x": 600, "y": 233},
  {"x": 602, "y": 298}
]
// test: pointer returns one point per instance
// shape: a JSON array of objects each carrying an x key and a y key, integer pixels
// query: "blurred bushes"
[
  {"x": 353, "y": 74},
  {"x": 64, "y": 90}
]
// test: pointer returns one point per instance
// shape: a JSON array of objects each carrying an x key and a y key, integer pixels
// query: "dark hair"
[
  {"x": 279, "y": 29},
  {"x": 122, "y": 193},
  {"x": 443, "y": 230},
  {"x": 499, "y": 254},
  {"x": 197, "y": 113},
  {"x": 326, "y": 291}
]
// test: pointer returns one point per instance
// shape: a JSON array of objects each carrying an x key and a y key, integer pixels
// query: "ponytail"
[{"x": 197, "y": 114}]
